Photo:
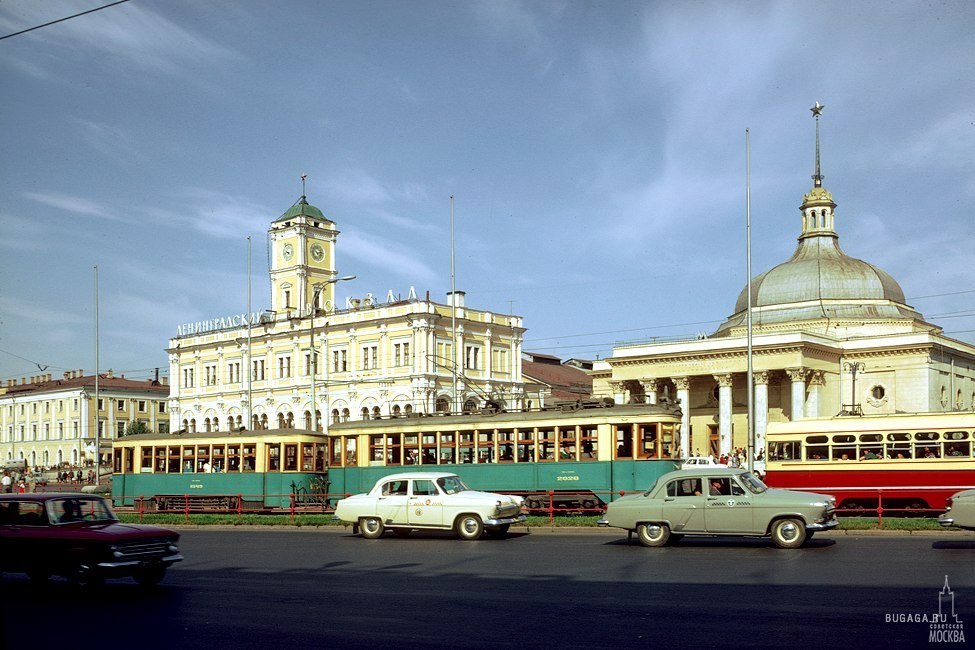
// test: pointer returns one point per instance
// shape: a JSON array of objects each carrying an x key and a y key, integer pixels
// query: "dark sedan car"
[{"x": 77, "y": 536}]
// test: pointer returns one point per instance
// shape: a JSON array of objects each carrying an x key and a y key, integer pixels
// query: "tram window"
[
  {"x": 428, "y": 456},
  {"x": 233, "y": 458},
  {"x": 843, "y": 439},
  {"x": 219, "y": 464},
  {"x": 871, "y": 437},
  {"x": 117, "y": 458},
  {"x": 817, "y": 452},
  {"x": 351, "y": 451},
  {"x": 146, "y": 459},
  {"x": 273, "y": 458},
  {"x": 957, "y": 449},
  {"x": 446, "y": 455},
  {"x": 335, "y": 452},
  {"x": 394, "y": 449},
  {"x": 929, "y": 436},
  {"x": 817, "y": 440},
  {"x": 546, "y": 444},
  {"x": 249, "y": 459},
  {"x": 173, "y": 464},
  {"x": 485, "y": 447},
  {"x": 788, "y": 450},
  {"x": 899, "y": 451},
  {"x": 320, "y": 451},
  {"x": 624, "y": 441},
  {"x": 466, "y": 446},
  {"x": 202, "y": 458},
  {"x": 526, "y": 445},
  {"x": 506, "y": 452},
  {"x": 688, "y": 487},
  {"x": 871, "y": 452},
  {"x": 844, "y": 452},
  {"x": 187, "y": 459},
  {"x": 956, "y": 435},
  {"x": 927, "y": 451},
  {"x": 899, "y": 437},
  {"x": 648, "y": 440},
  {"x": 376, "y": 450},
  {"x": 588, "y": 440},
  {"x": 290, "y": 458}
]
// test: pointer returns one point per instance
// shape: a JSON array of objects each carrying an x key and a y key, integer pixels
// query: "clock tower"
[{"x": 302, "y": 242}]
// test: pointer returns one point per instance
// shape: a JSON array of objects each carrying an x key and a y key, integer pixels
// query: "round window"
[{"x": 878, "y": 392}]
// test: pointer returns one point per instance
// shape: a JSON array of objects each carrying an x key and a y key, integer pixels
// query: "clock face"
[
  {"x": 288, "y": 251},
  {"x": 317, "y": 252}
]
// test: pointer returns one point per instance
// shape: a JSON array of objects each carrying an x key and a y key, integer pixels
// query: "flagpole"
[
  {"x": 748, "y": 289},
  {"x": 98, "y": 451}
]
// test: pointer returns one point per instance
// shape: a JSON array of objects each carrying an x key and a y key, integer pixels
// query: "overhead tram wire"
[{"x": 61, "y": 20}]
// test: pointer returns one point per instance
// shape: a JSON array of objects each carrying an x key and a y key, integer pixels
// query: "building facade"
[
  {"x": 49, "y": 422},
  {"x": 831, "y": 335},
  {"x": 372, "y": 357}
]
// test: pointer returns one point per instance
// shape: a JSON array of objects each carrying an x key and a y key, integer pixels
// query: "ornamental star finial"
[{"x": 817, "y": 109}]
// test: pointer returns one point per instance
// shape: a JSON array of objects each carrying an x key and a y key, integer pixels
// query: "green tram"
[
  {"x": 583, "y": 453},
  {"x": 239, "y": 470}
]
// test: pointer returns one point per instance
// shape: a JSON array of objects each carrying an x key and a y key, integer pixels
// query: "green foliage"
[{"x": 137, "y": 427}]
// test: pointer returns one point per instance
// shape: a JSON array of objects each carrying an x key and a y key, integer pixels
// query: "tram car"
[
  {"x": 237, "y": 470},
  {"x": 901, "y": 461},
  {"x": 573, "y": 457}
]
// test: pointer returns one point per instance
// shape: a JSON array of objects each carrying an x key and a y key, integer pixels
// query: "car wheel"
[
  {"x": 469, "y": 527},
  {"x": 371, "y": 528},
  {"x": 149, "y": 577},
  {"x": 653, "y": 534},
  {"x": 788, "y": 533},
  {"x": 38, "y": 574},
  {"x": 498, "y": 532},
  {"x": 402, "y": 532},
  {"x": 83, "y": 576}
]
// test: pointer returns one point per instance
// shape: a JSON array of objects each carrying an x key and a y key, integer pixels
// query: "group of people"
[{"x": 79, "y": 476}]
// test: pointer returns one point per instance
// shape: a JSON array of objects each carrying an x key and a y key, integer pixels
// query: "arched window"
[
  {"x": 186, "y": 424},
  {"x": 308, "y": 419},
  {"x": 364, "y": 413},
  {"x": 216, "y": 424},
  {"x": 193, "y": 425},
  {"x": 335, "y": 416},
  {"x": 408, "y": 409},
  {"x": 240, "y": 421},
  {"x": 346, "y": 415},
  {"x": 443, "y": 405},
  {"x": 206, "y": 425},
  {"x": 291, "y": 420},
  {"x": 396, "y": 410},
  {"x": 264, "y": 421},
  {"x": 470, "y": 406},
  {"x": 280, "y": 420},
  {"x": 376, "y": 415}
]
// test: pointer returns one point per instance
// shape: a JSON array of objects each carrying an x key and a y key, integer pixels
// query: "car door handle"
[{"x": 669, "y": 499}]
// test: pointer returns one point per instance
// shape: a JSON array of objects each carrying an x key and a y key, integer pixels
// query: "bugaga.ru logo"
[{"x": 944, "y": 626}]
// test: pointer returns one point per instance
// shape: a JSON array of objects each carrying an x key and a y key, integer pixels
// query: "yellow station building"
[
  {"x": 48, "y": 422},
  {"x": 375, "y": 356}
]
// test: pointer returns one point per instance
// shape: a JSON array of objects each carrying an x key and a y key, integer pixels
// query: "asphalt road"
[{"x": 249, "y": 588}]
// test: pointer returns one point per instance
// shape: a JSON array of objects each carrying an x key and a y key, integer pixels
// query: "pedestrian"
[{"x": 7, "y": 481}]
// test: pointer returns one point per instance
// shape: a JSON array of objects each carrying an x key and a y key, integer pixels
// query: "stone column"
[
  {"x": 619, "y": 391},
  {"x": 798, "y": 378},
  {"x": 724, "y": 412},
  {"x": 650, "y": 390},
  {"x": 683, "y": 385},
  {"x": 816, "y": 381},
  {"x": 760, "y": 407}
]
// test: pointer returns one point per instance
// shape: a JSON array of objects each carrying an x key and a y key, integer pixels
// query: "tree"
[{"x": 133, "y": 428}]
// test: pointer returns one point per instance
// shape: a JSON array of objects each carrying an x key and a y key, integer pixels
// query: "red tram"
[{"x": 902, "y": 461}]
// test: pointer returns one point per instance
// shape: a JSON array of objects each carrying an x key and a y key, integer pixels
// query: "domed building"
[{"x": 831, "y": 334}]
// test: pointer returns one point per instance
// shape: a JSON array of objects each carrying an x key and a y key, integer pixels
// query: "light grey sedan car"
[
  {"x": 961, "y": 510},
  {"x": 719, "y": 501}
]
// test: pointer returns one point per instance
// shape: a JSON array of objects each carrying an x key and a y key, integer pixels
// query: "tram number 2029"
[{"x": 566, "y": 478}]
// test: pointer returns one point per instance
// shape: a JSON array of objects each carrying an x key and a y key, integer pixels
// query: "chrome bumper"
[
  {"x": 603, "y": 522},
  {"x": 169, "y": 559},
  {"x": 826, "y": 525},
  {"x": 946, "y": 521},
  {"x": 501, "y": 521}
]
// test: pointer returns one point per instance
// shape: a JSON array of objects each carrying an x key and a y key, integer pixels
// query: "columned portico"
[
  {"x": 761, "y": 408},
  {"x": 816, "y": 382},
  {"x": 798, "y": 378},
  {"x": 649, "y": 390},
  {"x": 683, "y": 385},
  {"x": 724, "y": 412}
]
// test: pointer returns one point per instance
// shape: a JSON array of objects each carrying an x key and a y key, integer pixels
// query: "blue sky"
[{"x": 595, "y": 150}]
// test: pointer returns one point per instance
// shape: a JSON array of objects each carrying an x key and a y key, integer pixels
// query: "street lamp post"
[
  {"x": 853, "y": 367},
  {"x": 312, "y": 354}
]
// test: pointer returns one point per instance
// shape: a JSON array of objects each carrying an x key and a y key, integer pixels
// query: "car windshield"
[
  {"x": 752, "y": 482},
  {"x": 71, "y": 509},
  {"x": 451, "y": 484}
]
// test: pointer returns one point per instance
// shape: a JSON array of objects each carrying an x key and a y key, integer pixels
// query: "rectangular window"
[
  {"x": 257, "y": 370},
  {"x": 120, "y": 405},
  {"x": 308, "y": 364},
  {"x": 187, "y": 377},
  {"x": 401, "y": 354},
  {"x": 445, "y": 354},
  {"x": 233, "y": 372},
  {"x": 142, "y": 406},
  {"x": 162, "y": 407},
  {"x": 369, "y": 353},
  {"x": 47, "y": 407},
  {"x": 499, "y": 360},
  {"x": 339, "y": 360},
  {"x": 210, "y": 374},
  {"x": 164, "y": 427},
  {"x": 284, "y": 366},
  {"x": 120, "y": 428},
  {"x": 472, "y": 357}
]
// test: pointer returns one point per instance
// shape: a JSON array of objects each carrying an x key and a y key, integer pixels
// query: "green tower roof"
[{"x": 301, "y": 208}]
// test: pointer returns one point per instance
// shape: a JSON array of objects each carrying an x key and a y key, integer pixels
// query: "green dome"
[{"x": 301, "y": 208}]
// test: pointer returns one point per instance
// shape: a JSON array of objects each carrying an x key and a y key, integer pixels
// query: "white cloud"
[
  {"x": 74, "y": 204},
  {"x": 388, "y": 255}
]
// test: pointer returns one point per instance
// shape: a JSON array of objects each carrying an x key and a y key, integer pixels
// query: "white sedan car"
[{"x": 429, "y": 501}]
